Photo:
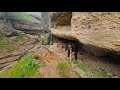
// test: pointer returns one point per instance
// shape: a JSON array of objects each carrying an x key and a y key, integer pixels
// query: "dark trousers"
[{"x": 75, "y": 55}]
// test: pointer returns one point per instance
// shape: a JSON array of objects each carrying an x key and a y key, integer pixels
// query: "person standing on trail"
[{"x": 72, "y": 49}]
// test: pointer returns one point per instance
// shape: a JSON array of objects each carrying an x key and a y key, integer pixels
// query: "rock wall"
[
  {"x": 6, "y": 29},
  {"x": 31, "y": 22},
  {"x": 101, "y": 29},
  {"x": 98, "y": 30}
]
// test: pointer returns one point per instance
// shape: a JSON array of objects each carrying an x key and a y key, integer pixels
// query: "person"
[{"x": 74, "y": 50}]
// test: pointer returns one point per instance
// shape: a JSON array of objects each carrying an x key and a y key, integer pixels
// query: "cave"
[
  {"x": 103, "y": 54},
  {"x": 62, "y": 21}
]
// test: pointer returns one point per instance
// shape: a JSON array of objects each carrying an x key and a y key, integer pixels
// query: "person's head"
[{"x": 69, "y": 45}]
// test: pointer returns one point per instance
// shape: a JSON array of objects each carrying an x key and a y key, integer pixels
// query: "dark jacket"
[{"x": 74, "y": 47}]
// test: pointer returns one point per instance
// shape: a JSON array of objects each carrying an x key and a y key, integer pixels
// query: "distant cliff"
[{"x": 31, "y": 22}]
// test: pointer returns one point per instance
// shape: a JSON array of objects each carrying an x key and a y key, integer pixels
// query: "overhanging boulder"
[{"x": 99, "y": 29}]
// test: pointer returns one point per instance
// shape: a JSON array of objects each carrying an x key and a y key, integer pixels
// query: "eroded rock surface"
[{"x": 99, "y": 29}]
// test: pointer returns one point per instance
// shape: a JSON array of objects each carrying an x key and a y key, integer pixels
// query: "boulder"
[
  {"x": 9, "y": 32},
  {"x": 45, "y": 54},
  {"x": 6, "y": 29}
]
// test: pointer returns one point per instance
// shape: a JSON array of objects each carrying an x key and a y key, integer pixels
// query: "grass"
[
  {"x": 44, "y": 39},
  {"x": 84, "y": 70},
  {"x": 19, "y": 15},
  {"x": 23, "y": 16},
  {"x": 92, "y": 72},
  {"x": 21, "y": 37},
  {"x": 26, "y": 68},
  {"x": 6, "y": 44},
  {"x": 64, "y": 70}
]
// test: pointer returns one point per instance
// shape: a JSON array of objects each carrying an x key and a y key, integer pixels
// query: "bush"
[
  {"x": 44, "y": 39},
  {"x": 5, "y": 43},
  {"x": 64, "y": 70},
  {"x": 21, "y": 37},
  {"x": 31, "y": 63},
  {"x": 1, "y": 35},
  {"x": 26, "y": 67}
]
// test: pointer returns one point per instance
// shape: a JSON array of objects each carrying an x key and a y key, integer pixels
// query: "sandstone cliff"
[{"x": 96, "y": 29}]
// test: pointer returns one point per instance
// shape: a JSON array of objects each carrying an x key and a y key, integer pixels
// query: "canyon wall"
[{"x": 100, "y": 31}]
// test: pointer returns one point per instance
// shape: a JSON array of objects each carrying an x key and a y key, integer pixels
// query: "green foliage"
[
  {"x": 21, "y": 37},
  {"x": 18, "y": 15},
  {"x": 92, "y": 72},
  {"x": 64, "y": 70},
  {"x": 63, "y": 66},
  {"x": 23, "y": 16},
  {"x": 44, "y": 39},
  {"x": 24, "y": 68},
  {"x": 2, "y": 35},
  {"x": 5, "y": 43},
  {"x": 31, "y": 63}
]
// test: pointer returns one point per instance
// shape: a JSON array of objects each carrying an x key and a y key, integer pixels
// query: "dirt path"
[{"x": 50, "y": 69}]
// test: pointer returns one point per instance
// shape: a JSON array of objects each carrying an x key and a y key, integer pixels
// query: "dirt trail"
[{"x": 50, "y": 69}]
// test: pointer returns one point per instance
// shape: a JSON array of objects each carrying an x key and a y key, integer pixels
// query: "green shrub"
[
  {"x": 2, "y": 35},
  {"x": 44, "y": 39},
  {"x": 21, "y": 37},
  {"x": 93, "y": 72},
  {"x": 64, "y": 70},
  {"x": 5, "y": 43},
  {"x": 26, "y": 67}
]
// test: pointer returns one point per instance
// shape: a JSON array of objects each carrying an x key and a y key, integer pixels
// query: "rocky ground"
[
  {"x": 21, "y": 45},
  {"x": 110, "y": 69},
  {"x": 55, "y": 63}
]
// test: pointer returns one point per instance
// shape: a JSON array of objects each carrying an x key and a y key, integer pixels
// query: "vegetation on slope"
[
  {"x": 21, "y": 37},
  {"x": 5, "y": 43},
  {"x": 26, "y": 67},
  {"x": 90, "y": 72},
  {"x": 65, "y": 70},
  {"x": 19, "y": 15},
  {"x": 44, "y": 39}
]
